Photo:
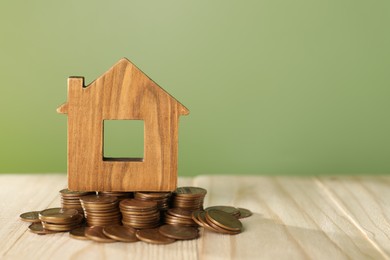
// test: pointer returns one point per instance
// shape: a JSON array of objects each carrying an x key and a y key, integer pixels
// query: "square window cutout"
[{"x": 123, "y": 140}]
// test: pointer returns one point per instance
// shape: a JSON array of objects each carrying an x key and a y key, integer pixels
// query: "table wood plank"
[
  {"x": 365, "y": 200},
  {"x": 294, "y": 219}
]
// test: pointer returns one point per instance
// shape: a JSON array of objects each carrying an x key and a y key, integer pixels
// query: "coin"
[
  {"x": 190, "y": 191},
  {"x": 59, "y": 215},
  {"x": 120, "y": 233},
  {"x": 179, "y": 216},
  {"x": 195, "y": 217},
  {"x": 118, "y": 194},
  {"x": 59, "y": 227},
  {"x": 221, "y": 230},
  {"x": 244, "y": 213},
  {"x": 223, "y": 220},
  {"x": 32, "y": 216},
  {"x": 78, "y": 233},
  {"x": 202, "y": 218},
  {"x": 70, "y": 193},
  {"x": 37, "y": 228},
  {"x": 137, "y": 204},
  {"x": 179, "y": 232},
  {"x": 94, "y": 199},
  {"x": 153, "y": 236},
  {"x": 162, "y": 198},
  {"x": 178, "y": 212},
  {"x": 228, "y": 209},
  {"x": 96, "y": 234}
]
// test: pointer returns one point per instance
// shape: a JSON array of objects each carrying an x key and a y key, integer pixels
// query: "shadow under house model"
[{"x": 122, "y": 93}]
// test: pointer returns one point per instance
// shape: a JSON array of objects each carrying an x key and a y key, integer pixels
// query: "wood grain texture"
[
  {"x": 294, "y": 218},
  {"x": 122, "y": 93},
  {"x": 365, "y": 200}
]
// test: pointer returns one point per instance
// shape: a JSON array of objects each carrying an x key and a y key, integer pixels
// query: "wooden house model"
[{"x": 124, "y": 92}]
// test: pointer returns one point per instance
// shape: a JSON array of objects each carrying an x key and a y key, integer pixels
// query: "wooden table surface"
[{"x": 294, "y": 218}]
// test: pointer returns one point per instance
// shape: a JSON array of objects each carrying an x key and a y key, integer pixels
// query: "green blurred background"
[{"x": 274, "y": 87}]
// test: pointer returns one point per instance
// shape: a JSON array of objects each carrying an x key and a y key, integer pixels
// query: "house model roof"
[{"x": 131, "y": 69}]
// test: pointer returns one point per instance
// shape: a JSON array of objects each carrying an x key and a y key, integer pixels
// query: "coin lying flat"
[
  {"x": 223, "y": 220},
  {"x": 59, "y": 215},
  {"x": 120, "y": 233},
  {"x": 179, "y": 232},
  {"x": 96, "y": 234},
  {"x": 228, "y": 209},
  {"x": 32, "y": 216},
  {"x": 37, "y": 228},
  {"x": 190, "y": 191},
  {"x": 244, "y": 213},
  {"x": 153, "y": 236},
  {"x": 72, "y": 193},
  {"x": 78, "y": 233}
]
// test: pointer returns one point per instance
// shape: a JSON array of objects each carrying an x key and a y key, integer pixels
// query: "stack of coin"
[
  {"x": 189, "y": 198},
  {"x": 178, "y": 216},
  {"x": 218, "y": 221},
  {"x": 139, "y": 214},
  {"x": 162, "y": 198},
  {"x": 119, "y": 194},
  {"x": 71, "y": 199},
  {"x": 101, "y": 210},
  {"x": 60, "y": 220}
]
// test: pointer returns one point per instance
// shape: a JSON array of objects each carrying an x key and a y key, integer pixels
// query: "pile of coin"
[
  {"x": 189, "y": 198},
  {"x": 119, "y": 194},
  {"x": 139, "y": 214},
  {"x": 71, "y": 199},
  {"x": 178, "y": 216},
  {"x": 101, "y": 210},
  {"x": 221, "y": 219},
  {"x": 130, "y": 220},
  {"x": 162, "y": 198},
  {"x": 60, "y": 220}
]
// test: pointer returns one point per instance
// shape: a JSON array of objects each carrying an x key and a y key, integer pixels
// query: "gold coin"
[
  {"x": 120, "y": 233},
  {"x": 78, "y": 233},
  {"x": 153, "y": 236},
  {"x": 96, "y": 234},
  {"x": 32, "y": 216},
  {"x": 244, "y": 213},
  {"x": 179, "y": 232},
  {"x": 37, "y": 228},
  {"x": 223, "y": 220}
]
